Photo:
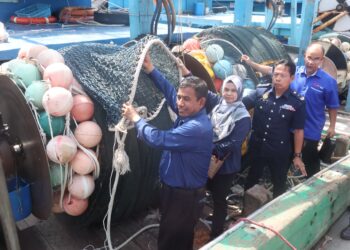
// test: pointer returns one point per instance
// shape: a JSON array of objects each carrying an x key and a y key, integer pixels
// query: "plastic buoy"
[
  {"x": 82, "y": 186},
  {"x": 57, "y": 101},
  {"x": 74, "y": 206},
  {"x": 61, "y": 149},
  {"x": 83, "y": 108},
  {"x": 49, "y": 56},
  {"x": 88, "y": 134},
  {"x": 59, "y": 75},
  {"x": 57, "y": 124},
  {"x": 35, "y": 92},
  {"x": 82, "y": 163},
  {"x": 214, "y": 53}
]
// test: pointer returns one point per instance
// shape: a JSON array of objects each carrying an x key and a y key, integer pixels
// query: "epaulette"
[
  {"x": 264, "y": 85},
  {"x": 300, "y": 97}
]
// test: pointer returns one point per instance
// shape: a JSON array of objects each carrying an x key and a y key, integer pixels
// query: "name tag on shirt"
[
  {"x": 287, "y": 107},
  {"x": 317, "y": 87}
]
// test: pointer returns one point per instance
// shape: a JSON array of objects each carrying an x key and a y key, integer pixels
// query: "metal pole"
[
  {"x": 243, "y": 12},
  {"x": 140, "y": 16},
  {"x": 309, "y": 7},
  {"x": 293, "y": 22},
  {"x": 6, "y": 216}
]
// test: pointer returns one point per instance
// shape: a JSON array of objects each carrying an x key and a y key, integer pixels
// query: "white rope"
[
  {"x": 110, "y": 209},
  {"x": 125, "y": 242},
  {"x": 16, "y": 79},
  {"x": 92, "y": 157},
  {"x": 36, "y": 116},
  {"x": 121, "y": 163}
]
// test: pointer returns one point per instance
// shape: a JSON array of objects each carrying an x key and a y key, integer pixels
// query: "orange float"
[
  {"x": 33, "y": 20},
  {"x": 76, "y": 14}
]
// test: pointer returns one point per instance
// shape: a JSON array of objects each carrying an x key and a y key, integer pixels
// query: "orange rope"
[{"x": 268, "y": 228}]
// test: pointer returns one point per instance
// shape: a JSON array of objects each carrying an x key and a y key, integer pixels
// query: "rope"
[
  {"x": 110, "y": 209},
  {"x": 112, "y": 75},
  {"x": 92, "y": 157},
  {"x": 36, "y": 116},
  {"x": 121, "y": 163},
  {"x": 268, "y": 228},
  {"x": 125, "y": 242}
]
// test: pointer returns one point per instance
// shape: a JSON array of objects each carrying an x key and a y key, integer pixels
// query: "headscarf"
[{"x": 225, "y": 115}]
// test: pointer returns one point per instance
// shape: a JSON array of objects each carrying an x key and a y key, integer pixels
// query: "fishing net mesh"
[{"x": 113, "y": 75}]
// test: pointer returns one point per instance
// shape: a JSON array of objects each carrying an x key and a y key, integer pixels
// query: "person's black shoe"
[{"x": 345, "y": 233}]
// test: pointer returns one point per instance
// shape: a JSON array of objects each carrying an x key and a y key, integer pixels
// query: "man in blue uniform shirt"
[
  {"x": 320, "y": 91},
  {"x": 276, "y": 113},
  {"x": 185, "y": 159}
]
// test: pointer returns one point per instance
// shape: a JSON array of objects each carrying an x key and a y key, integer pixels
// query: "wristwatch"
[{"x": 297, "y": 155}]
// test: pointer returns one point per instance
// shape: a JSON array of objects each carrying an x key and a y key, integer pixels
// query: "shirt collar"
[
  {"x": 316, "y": 73},
  {"x": 285, "y": 94},
  {"x": 199, "y": 113}
]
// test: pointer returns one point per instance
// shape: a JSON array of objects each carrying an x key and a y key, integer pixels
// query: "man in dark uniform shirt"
[{"x": 277, "y": 113}]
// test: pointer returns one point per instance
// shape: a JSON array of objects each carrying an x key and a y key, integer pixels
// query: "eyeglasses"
[{"x": 315, "y": 59}]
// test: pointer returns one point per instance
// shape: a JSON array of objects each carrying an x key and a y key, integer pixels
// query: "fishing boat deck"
[
  {"x": 58, "y": 35},
  {"x": 63, "y": 232},
  {"x": 227, "y": 18}
]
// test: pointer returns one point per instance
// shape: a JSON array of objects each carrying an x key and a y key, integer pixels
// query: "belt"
[{"x": 181, "y": 189}]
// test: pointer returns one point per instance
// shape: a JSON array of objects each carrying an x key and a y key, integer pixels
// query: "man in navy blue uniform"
[
  {"x": 277, "y": 112},
  {"x": 185, "y": 159},
  {"x": 319, "y": 90}
]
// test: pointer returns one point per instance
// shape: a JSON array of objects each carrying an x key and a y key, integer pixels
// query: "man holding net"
[{"x": 185, "y": 160}]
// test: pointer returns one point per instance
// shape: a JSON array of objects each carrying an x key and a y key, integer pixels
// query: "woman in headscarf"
[{"x": 231, "y": 124}]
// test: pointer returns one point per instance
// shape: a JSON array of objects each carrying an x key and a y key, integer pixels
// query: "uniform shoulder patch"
[
  {"x": 265, "y": 95},
  {"x": 298, "y": 96}
]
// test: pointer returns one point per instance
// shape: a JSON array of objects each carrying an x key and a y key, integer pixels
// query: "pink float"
[
  {"x": 191, "y": 44},
  {"x": 83, "y": 108},
  {"x": 57, "y": 101},
  {"x": 35, "y": 50},
  {"x": 88, "y": 134},
  {"x": 74, "y": 206},
  {"x": 81, "y": 186},
  {"x": 22, "y": 53},
  {"x": 61, "y": 149},
  {"x": 59, "y": 75},
  {"x": 49, "y": 56},
  {"x": 82, "y": 163}
]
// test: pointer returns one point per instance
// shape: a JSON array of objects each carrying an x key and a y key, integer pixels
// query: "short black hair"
[
  {"x": 287, "y": 63},
  {"x": 200, "y": 86}
]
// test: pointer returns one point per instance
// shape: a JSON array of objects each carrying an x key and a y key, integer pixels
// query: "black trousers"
[
  {"x": 311, "y": 158},
  {"x": 278, "y": 166},
  {"x": 180, "y": 210},
  {"x": 219, "y": 187}
]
